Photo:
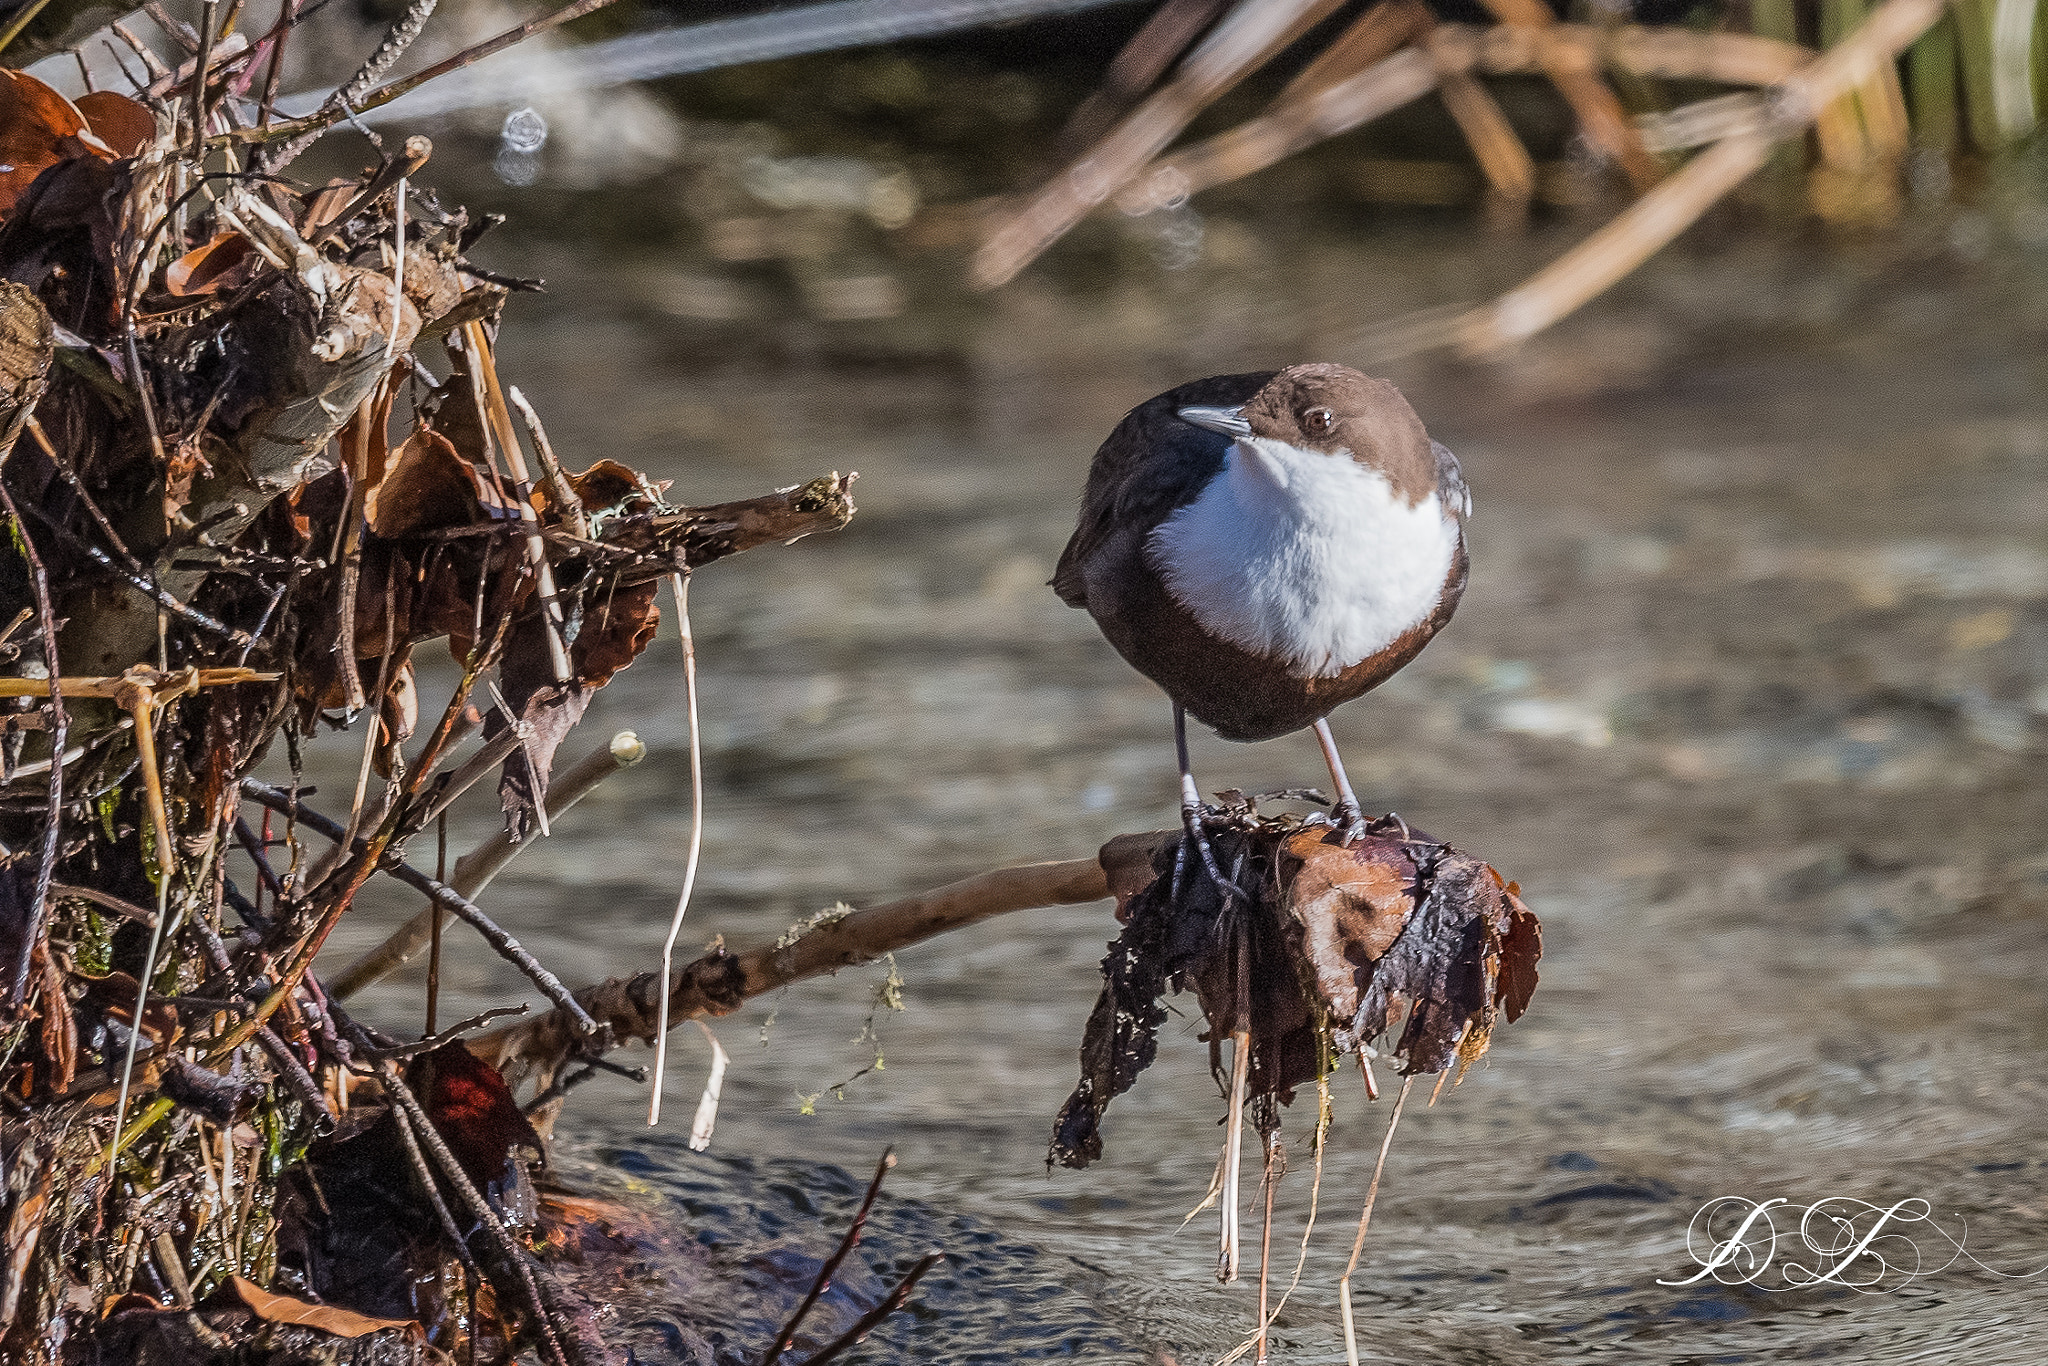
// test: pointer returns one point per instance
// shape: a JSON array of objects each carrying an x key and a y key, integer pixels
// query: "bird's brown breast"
[{"x": 1242, "y": 695}]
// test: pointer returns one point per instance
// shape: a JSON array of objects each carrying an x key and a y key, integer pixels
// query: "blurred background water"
[{"x": 1749, "y": 691}]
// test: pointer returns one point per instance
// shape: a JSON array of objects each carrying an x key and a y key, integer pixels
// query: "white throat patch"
[{"x": 1310, "y": 559}]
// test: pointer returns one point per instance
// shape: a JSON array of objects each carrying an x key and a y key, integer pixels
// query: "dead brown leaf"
[
  {"x": 1351, "y": 900},
  {"x": 342, "y": 1323},
  {"x": 428, "y": 486},
  {"x": 123, "y": 125},
  {"x": 1333, "y": 944},
  {"x": 38, "y": 129},
  {"x": 615, "y": 631},
  {"x": 226, "y": 262},
  {"x": 607, "y": 484}
]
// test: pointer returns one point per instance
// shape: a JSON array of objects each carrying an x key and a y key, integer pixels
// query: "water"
[{"x": 1749, "y": 691}]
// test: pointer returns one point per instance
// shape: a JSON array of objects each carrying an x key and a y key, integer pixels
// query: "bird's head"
[{"x": 1333, "y": 410}]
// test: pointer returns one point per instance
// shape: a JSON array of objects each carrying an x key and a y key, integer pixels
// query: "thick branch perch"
[{"x": 719, "y": 982}]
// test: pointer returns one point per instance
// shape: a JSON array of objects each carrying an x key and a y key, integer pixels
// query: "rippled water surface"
[{"x": 1750, "y": 692}]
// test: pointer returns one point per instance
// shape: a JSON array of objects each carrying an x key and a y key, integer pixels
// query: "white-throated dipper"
[{"x": 1266, "y": 547}]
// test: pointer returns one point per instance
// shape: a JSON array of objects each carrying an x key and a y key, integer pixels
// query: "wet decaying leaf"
[
  {"x": 1332, "y": 946},
  {"x": 141, "y": 1335},
  {"x": 342, "y": 1323},
  {"x": 475, "y": 1113}
]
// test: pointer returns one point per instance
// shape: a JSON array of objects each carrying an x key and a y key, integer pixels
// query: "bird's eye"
[{"x": 1319, "y": 420}]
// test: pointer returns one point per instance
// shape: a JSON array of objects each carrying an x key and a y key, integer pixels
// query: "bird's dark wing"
[
  {"x": 1451, "y": 489},
  {"x": 1151, "y": 464}
]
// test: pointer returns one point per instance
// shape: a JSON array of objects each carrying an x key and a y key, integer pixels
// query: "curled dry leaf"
[
  {"x": 615, "y": 631},
  {"x": 226, "y": 262},
  {"x": 38, "y": 129},
  {"x": 429, "y": 486},
  {"x": 342, "y": 1323},
  {"x": 1332, "y": 945},
  {"x": 608, "y": 484},
  {"x": 123, "y": 125},
  {"x": 400, "y": 711}
]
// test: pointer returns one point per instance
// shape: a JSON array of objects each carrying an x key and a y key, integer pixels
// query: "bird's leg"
[
  {"x": 1191, "y": 813},
  {"x": 1346, "y": 815}
]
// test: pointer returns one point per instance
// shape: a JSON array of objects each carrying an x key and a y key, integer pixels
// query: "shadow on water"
[
  {"x": 758, "y": 1232},
  {"x": 1750, "y": 691}
]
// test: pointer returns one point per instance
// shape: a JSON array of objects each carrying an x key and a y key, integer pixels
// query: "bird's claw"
[
  {"x": 1193, "y": 833},
  {"x": 1349, "y": 822}
]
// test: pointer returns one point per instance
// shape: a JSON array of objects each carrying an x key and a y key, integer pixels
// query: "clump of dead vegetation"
[{"x": 239, "y": 499}]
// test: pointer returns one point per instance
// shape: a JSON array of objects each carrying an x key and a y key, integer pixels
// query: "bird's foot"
[
  {"x": 1350, "y": 822},
  {"x": 1193, "y": 834}
]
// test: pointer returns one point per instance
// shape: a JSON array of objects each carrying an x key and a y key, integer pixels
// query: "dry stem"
[{"x": 720, "y": 982}]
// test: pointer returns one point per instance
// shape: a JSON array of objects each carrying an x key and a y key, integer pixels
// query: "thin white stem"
[
  {"x": 1233, "y": 1152},
  {"x": 1372, "y": 1193},
  {"x": 681, "y": 583},
  {"x": 145, "y": 713},
  {"x": 397, "y": 274},
  {"x": 156, "y": 938},
  {"x": 1315, "y": 1190}
]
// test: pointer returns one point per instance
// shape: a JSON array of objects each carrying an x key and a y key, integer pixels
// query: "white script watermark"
[{"x": 1839, "y": 1241}]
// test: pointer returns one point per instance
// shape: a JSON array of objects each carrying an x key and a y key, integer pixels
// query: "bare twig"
[
  {"x": 1138, "y": 67},
  {"x": 141, "y": 701},
  {"x": 895, "y": 1300},
  {"x": 720, "y": 982},
  {"x": 442, "y": 1215},
  {"x": 60, "y": 721},
  {"x": 448, "y": 1035},
  {"x": 150, "y": 589},
  {"x": 150, "y": 61},
  {"x": 287, "y": 20},
  {"x": 559, "y": 488},
  {"x": 1363, "y": 77},
  {"x": 1599, "y": 113},
  {"x": 491, "y": 753},
  {"x": 209, "y": 15},
  {"x": 126, "y": 909},
  {"x": 346, "y": 98},
  {"x": 1249, "y": 35},
  {"x": 486, "y": 367},
  {"x": 1276, "y": 1167},
  {"x": 820, "y": 1283},
  {"x": 1647, "y": 225},
  {"x": 384, "y": 94},
  {"x": 507, "y": 947},
  {"x": 392, "y": 175},
  {"x": 439, "y": 919},
  {"x": 1233, "y": 1153},
  {"x": 475, "y": 870}
]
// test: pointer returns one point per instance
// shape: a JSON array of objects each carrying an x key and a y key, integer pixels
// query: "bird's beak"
[{"x": 1229, "y": 421}]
